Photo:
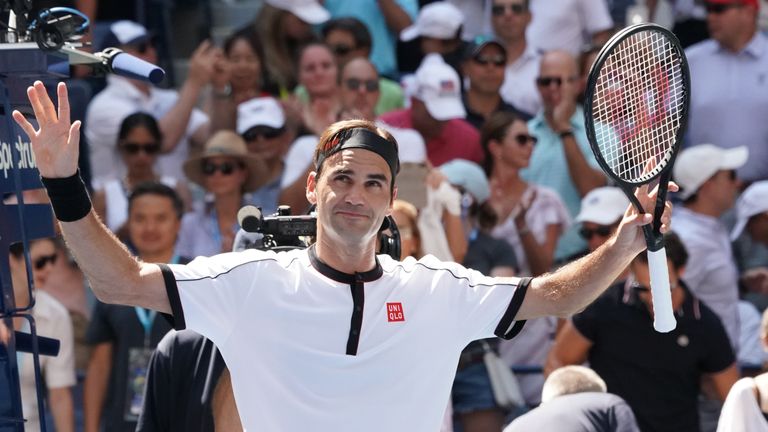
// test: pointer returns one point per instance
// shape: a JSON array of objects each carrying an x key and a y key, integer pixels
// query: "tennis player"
[{"x": 333, "y": 337}]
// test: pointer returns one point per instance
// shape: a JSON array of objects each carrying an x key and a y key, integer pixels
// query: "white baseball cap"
[
  {"x": 603, "y": 206},
  {"x": 410, "y": 144},
  {"x": 262, "y": 111},
  {"x": 695, "y": 165},
  {"x": 439, "y": 20},
  {"x": 753, "y": 201},
  {"x": 438, "y": 86},
  {"x": 309, "y": 11}
]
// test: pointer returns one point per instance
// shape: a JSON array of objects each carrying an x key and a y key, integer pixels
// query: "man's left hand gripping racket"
[{"x": 635, "y": 112}]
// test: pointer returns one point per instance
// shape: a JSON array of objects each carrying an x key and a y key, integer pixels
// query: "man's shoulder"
[
  {"x": 47, "y": 306},
  {"x": 702, "y": 50},
  {"x": 462, "y": 127},
  {"x": 398, "y": 118}
]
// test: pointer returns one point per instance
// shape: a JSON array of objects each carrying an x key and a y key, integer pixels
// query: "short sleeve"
[
  {"x": 596, "y": 15},
  {"x": 719, "y": 354},
  {"x": 208, "y": 294},
  {"x": 587, "y": 322},
  {"x": 60, "y": 370},
  {"x": 99, "y": 329}
]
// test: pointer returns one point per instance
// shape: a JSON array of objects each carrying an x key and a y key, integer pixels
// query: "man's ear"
[
  {"x": 392, "y": 201},
  {"x": 311, "y": 193}
]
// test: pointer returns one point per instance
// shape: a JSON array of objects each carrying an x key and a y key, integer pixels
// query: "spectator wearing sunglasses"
[
  {"x": 349, "y": 39},
  {"x": 530, "y": 219},
  {"x": 138, "y": 144},
  {"x": 269, "y": 137},
  {"x": 227, "y": 171},
  {"x": 182, "y": 125},
  {"x": 562, "y": 159},
  {"x": 600, "y": 214},
  {"x": 658, "y": 374},
  {"x": 732, "y": 65},
  {"x": 483, "y": 68},
  {"x": 360, "y": 90},
  {"x": 51, "y": 320},
  {"x": 510, "y": 19}
]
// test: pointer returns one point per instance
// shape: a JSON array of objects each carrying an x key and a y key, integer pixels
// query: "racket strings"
[{"x": 638, "y": 105}]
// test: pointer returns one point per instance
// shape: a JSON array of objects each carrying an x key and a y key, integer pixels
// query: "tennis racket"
[{"x": 635, "y": 112}]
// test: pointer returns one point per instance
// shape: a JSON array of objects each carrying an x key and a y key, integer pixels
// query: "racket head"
[{"x": 636, "y": 105}]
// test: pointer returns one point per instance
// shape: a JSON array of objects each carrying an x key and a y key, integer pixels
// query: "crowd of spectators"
[{"x": 497, "y": 174}]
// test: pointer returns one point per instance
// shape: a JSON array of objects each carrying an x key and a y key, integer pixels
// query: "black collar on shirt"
[{"x": 338, "y": 276}]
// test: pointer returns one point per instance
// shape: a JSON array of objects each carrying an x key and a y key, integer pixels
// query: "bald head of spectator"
[
  {"x": 359, "y": 89},
  {"x": 752, "y": 213},
  {"x": 558, "y": 79},
  {"x": 569, "y": 380}
]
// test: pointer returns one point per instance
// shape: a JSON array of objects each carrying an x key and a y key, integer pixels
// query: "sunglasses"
[
  {"x": 496, "y": 60},
  {"x": 44, "y": 260},
  {"x": 226, "y": 168},
  {"x": 341, "y": 50},
  {"x": 134, "y": 148},
  {"x": 516, "y": 8},
  {"x": 602, "y": 231},
  {"x": 718, "y": 8},
  {"x": 545, "y": 81},
  {"x": 354, "y": 84},
  {"x": 525, "y": 139},
  {"x": 267, "y": 132}
]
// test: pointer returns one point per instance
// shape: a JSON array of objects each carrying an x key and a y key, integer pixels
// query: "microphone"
[
  {"x": 249, "y": 217},
  {"x": 124, "y": 64}
]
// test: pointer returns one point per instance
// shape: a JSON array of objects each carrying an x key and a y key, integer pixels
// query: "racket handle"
[{"x": 663, "y": 316}]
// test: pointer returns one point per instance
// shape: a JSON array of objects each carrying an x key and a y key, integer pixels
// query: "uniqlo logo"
[{"x": 395, "y": 312}]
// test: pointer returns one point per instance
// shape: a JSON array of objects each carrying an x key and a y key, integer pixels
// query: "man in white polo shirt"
[{"x": 333, "y": 337}]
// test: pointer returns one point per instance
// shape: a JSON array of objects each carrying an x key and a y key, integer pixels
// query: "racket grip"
[{"x": 663, "y": 316}]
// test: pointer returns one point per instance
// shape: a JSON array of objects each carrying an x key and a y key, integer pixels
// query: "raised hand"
[
  {"x": 630, "y": 233},
  {"x": 56, "y": 144}
]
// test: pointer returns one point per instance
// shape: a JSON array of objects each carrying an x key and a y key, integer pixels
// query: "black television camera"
[{"x": 283, "y": 231}]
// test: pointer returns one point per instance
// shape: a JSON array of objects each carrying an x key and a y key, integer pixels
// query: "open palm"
[{"x": 56, "y": 144}]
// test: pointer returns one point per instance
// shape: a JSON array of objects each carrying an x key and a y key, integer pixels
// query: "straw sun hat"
[{"x": 229, "y": 144}]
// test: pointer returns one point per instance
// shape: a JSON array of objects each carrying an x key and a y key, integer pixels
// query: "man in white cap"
[
  {"x": 262, "y": 124},
  {"x": 309, "y": 11},
  {"x": 438, "y": 28},
  {"x": 600, "y": 214},
  {"x": 181, "y": 123},
  {"x": 751, "y": 233},
  {"x": 437, "y": 113},
  {"x": 706, "y": 175}
]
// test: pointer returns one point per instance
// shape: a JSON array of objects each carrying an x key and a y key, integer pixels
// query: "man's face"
[
  {"x": 268, "y": 143},
  {"x": 153, "y": 224},
  {"x": 43, "y": 256},
  {"x": 757, "y": 227},
  {"x": 642, "y": 275},
  {"x": 509, "y": 19},
  {"x": 422, "y": 120},
  {"x": 726, "y": 22},
  {"x": 343, "y": 45},
  {"x": 596, "y": 234},
  {"x": 353, "y": 196},
  {"x": 485, "y": 70},
  {"x": 558, "y": 79},
  {"x": 360, "y": 88},
  {"x": 721, "y": 189}
]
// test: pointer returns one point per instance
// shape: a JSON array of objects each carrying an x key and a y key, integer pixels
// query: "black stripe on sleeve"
[
  {"x": 503, "y": 330},
  {"x": 177, "y": 321}
]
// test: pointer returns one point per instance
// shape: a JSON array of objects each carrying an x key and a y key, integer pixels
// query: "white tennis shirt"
[{"x": 311, "y": 348}]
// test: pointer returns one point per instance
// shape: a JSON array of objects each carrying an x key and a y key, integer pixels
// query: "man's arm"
[
  {"x": 95, "y": 387},
  {"x": 724, "y": 380},
  {"x": 574, "y": 286},
  {"x": 63, "y": 408},
  {"x": 397, "y": 19},
  {"x": 570, "y": 348},
  {"x": 99, "y": 254}
]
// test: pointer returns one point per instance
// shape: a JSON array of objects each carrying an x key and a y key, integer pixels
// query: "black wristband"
[
  {"x": 69, "y": 197},
  {"x": 565, "y": 133}
]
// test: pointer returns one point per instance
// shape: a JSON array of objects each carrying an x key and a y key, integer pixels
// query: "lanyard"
[{"x": 147, "y": 317}]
